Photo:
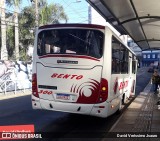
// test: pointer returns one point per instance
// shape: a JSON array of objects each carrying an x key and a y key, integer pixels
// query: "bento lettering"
[
  {"x": 67, "y": 76},
  {"x": 79, "y": 77},
  {"x": 60, "y": 76},
  {"x": 123, "y": 85},
  {"x": 73, "y": 76},
  {"x": 54, "y": 75}
]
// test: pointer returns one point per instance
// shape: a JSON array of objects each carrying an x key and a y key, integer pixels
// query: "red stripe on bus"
[{"x": 84, "y": 57}]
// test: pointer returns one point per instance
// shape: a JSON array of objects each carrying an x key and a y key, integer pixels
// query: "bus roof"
[{"x": 72, "y": 25}]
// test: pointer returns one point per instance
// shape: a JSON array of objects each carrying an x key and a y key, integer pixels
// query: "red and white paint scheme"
[{"x": 81, "y": 68}]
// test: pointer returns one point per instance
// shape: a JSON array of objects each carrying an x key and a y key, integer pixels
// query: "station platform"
[{"x": 140, "y": 121}]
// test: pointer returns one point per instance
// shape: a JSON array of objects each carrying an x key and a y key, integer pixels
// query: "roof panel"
[
  {"x": 151, "y": 28},
  {"x": 138, "y": 18},
  {"x": 144, "y": 44},
  {"x": 154, "y": 44},
  {"x": 145, "y": 7},
  {"x": 131, "y": 26},
  {"x": 116, "y": 7}
]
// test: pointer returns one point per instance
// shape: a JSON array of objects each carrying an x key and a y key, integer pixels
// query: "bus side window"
[
  {"x": 116, "y": 56},
  {"x": 114, "y": 63},
  {"x": 119, "y": 52}
]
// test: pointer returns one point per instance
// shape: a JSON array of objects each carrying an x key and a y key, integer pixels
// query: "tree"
[
  {"x": 10, "y": 42},
  {"x": 4, "y": 53},
  {"x": 53, "y": 13},
  {"x": 16, "y": 4},
  {"x": 27, "y": 21},
  {"x": 26, "y": 30},
  {"x": 26, "y": 25}
]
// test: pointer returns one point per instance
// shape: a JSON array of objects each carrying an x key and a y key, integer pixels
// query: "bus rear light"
[
  {"x": 103, "y": 91},
  {"x": 104, "y": 88},
  {"x": 34, "y": 85},
  {"x": 112, "y": 106}
]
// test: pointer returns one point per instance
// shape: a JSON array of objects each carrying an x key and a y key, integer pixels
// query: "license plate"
[{"x": 63, "y": 96}]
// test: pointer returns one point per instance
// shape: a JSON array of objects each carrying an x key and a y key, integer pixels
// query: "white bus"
[{"x": 81, "y": 68}]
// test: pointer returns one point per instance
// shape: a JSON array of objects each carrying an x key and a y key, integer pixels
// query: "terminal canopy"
[{"x": 140, "y": 19}]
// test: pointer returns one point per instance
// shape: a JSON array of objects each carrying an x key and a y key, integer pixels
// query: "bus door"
[{"x": 129, "y": 76}]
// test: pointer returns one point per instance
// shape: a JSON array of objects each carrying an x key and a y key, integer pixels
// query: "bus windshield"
[{"x": 70, "y": 41}]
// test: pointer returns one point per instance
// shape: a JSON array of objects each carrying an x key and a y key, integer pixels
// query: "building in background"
[
  {"x": 146, "y": 58},
  {"x": 151, "y": 58}
]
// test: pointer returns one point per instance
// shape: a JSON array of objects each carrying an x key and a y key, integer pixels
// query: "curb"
[
  {"x": 143, "y": 93},
  {"x": 18, "y": 93}
]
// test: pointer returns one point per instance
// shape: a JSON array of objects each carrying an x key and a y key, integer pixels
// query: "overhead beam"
[
  {"x": 139, "y": 21},
  {"x": 153, "y": 48},
  {"x": 149, "y": 40},
  {"x": 144, "y": 17}
]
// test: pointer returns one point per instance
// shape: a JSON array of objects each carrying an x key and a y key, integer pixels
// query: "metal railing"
[
  {"x": 5, "y": 82},
  {"x": 10, "y": 85}
]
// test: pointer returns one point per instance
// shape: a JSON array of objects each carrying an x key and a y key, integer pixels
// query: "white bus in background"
[{"x": 81, "y": 68}]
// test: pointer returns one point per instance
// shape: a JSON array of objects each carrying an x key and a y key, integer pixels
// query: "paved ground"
[{"x": 141, "y": 120}]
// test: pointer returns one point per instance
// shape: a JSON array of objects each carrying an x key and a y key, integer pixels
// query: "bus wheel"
[
  {"x": 120, "y": 108},
  {"x": 124, "y": 99}
]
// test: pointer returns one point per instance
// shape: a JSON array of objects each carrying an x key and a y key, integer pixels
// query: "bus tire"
[
  {"x": 120, "y": 108},
  {"x": 124, "y": 99}
]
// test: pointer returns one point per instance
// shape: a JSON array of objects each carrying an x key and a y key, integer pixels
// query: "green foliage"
[
  {"x": 13, "y": 2},
  {"x": 26, "y": 25},
  {"x": 10, "y": 42},
  {"x": 24, "y": 56},
  {"x": 26, "y": 34},
  {"x": 53, "y": 13}
]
